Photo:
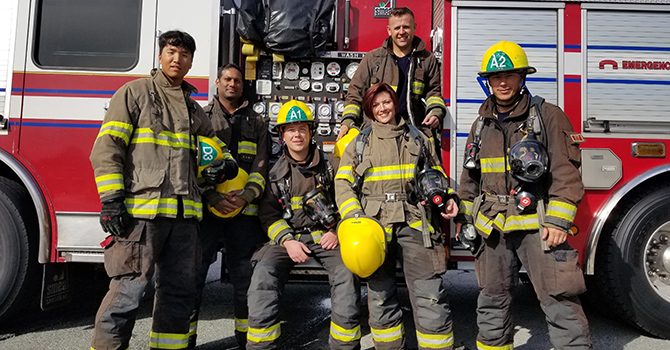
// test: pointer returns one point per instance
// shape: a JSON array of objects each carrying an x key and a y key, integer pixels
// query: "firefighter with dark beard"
[{"x": 233, "y": 217}]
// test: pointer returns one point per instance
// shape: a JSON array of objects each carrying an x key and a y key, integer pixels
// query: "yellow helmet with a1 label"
[
  {"x": 208, "y": 151},
  {"x": 362, "y": 244},
  {"x": 236, "y": 183},
  {"x": 294, "y": 112},
  {"x": 505, "y": 56}
]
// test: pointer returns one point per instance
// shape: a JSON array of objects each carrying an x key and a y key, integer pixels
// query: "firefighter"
[
  {"x": 246, "y": 134},
  {"x": 377, "y": 177},
  {"x": 522, "y": 205},
  {"x": 403, "y": 62},
  {"x": 299, "y": 213},
  {"x": 145, "y": 170}
]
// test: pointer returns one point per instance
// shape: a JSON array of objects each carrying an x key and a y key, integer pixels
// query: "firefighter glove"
[
  {"x": 220, "y": 170},
  {"x": 114, "y": 217}
]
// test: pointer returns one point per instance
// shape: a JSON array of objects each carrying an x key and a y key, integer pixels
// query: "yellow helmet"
[
  {"x": 237, "y": 183},
  {"x": 208, "y": 151},
  {"x": 294, "y": 112},
  {"x": 362, "y": 244},
  {"x": 505, "y": 56},
  {"x": 342, "y": 143}
]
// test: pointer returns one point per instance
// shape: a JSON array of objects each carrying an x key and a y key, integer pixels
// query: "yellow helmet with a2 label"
[
  {"x": 294, "y": 112},
  {"x": 505, "y": 56}
]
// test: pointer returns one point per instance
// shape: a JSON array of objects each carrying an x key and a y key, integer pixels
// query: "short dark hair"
[
  {"x": 228, "y": 66},
  {"x": 177, "y": 38},
  {"x": 401, "y": 11},
  {"x": 374, "y": 91}
]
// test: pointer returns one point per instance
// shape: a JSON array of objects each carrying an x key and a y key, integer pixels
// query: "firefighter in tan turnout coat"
[
  {"x": 387, "y": 167},
  {"x": 145, "y": 165}
]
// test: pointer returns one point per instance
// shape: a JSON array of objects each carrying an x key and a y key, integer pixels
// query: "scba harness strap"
[
  {"x": 362, "y": 140},
  {"x": 534, "y": 122},
  {"x": 281, "y": 187}
]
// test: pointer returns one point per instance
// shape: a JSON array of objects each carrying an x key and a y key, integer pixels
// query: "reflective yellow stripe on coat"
[
  {"x": 246, "y": 147},
  {"x": 561, "y": 210},
  {"x": 109, "y": 182},
  {"x": 345, "y": 172},
  {"x": 278, "y": 227},
  {"x": 349, "y": 205},
  {"x": 493, "y": 165},
  {"x": 390, "y": 172},
  {"x": 435, "y": 101},
  {"x": 117, "y": 129},
  {"x": 148, "y": 208}
]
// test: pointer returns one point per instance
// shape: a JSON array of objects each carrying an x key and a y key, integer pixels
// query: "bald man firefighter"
[
  {"x": 299, "y": 214},
  {"x": 519, "y": 191}
]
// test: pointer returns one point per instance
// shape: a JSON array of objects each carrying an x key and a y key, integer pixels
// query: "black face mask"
[
  {"x": 528, "y": 159},
  {"x": 320, "y": 207},
  {"x": 432, "y": 188}
]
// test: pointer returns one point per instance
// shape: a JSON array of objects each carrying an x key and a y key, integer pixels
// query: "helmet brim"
[
  {"x": 527, "y": 70},
  {"x": 312, "y": 125}
]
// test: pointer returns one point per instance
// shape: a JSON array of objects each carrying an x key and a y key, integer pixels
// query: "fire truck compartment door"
[
  {"x": 601, "y": 168},
  {"x": 535, "y": 29}
]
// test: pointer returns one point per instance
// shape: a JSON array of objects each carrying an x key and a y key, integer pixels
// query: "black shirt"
[{"x": 403, "y": 67}]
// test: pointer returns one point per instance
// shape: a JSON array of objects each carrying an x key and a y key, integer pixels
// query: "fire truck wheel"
[
  {"x": 633, "y": 264},
  {"x": 19, "y": 269}
]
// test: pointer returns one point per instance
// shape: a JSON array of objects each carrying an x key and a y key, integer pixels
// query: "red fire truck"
[{"x": 606, "y": 63}]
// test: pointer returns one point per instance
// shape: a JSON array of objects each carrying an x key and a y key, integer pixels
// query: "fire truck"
[{"x": 606, "y": 63}]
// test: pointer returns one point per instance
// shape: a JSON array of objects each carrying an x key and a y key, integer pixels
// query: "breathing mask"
[
  {"x": 319, "y": 206},
  {"x": 528, "y": 158},
  {"x": 432, "y": 188}
]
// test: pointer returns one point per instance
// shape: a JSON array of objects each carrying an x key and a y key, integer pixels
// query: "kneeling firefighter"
[
  {"x": 390, "y": 173},
  {"x": 300, "y": 216},
  {"x": 520, "y": 188}
]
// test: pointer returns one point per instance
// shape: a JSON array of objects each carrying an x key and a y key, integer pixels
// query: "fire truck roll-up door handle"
[
  {"x": 347, "y": 8},
  {"x": 3, "y": 122}
]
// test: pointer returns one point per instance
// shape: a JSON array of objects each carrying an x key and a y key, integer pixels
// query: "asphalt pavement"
[{"x": 305, "y": 311}]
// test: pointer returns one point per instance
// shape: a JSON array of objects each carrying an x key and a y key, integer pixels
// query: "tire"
[
  {"x": 633, "y": 263},
  {"x": 19, "y": 268}
]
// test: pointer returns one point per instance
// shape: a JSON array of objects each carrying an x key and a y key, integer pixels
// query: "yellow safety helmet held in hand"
[
  {"x": 342, "y": 143},
  {"x": 362, "y": 244},
  {"x": 294, "y": 112},
  {"x": 237, "y": 183},
  {"x": 208, "y": 151},
  {"x": 505, "y": 56}
]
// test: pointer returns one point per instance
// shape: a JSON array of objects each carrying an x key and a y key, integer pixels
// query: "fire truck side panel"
[
  {"x": 627, "y": 82},
  {"x": 63, "y": 106}
]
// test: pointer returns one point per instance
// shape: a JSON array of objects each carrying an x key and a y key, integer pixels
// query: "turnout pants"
[
  {"x": 557, "y": 280},
  {"x": 169, "y": 247},
  {"x": 272, "y": 267},
  {"x": 423, "y": 268},
  {"x": 241, "y": 236}
]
